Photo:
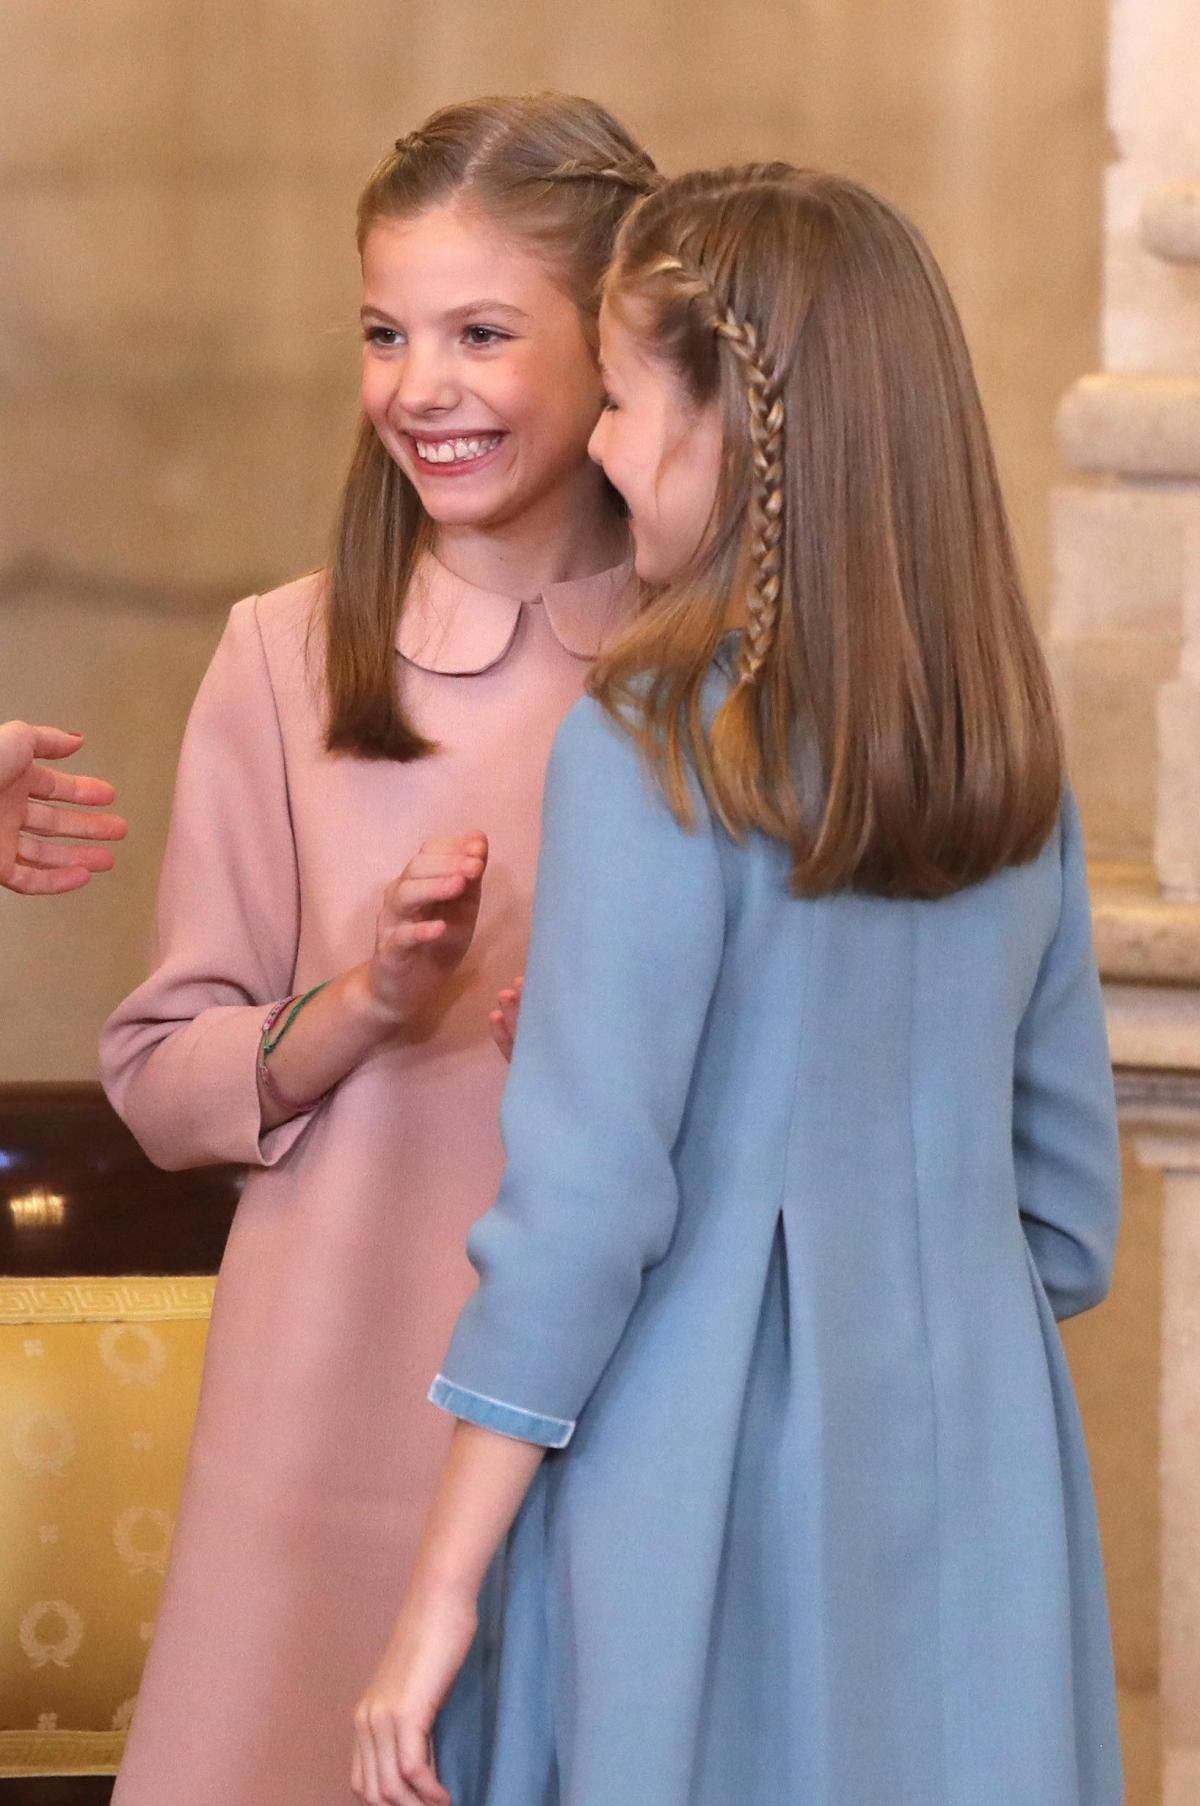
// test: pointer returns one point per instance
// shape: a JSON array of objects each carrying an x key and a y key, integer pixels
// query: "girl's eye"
[
  {"x": 481, "y": 336},
  {"x": 608, "y": 405},
  {"x": 385, "y": 336}
]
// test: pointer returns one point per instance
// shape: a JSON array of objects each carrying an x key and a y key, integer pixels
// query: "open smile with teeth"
[{"x": 456, "y": 451}]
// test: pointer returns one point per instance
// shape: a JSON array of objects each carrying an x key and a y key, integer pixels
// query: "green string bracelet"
[{"x": 268, "y": 1047}]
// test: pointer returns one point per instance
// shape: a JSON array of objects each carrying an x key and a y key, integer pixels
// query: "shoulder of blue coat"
[
  {"x": 588, "y": 734},
  {"x": 1070, "y": 821},
  {"x": 588, "y": 718},
  {"x": 597, "y": 753}
]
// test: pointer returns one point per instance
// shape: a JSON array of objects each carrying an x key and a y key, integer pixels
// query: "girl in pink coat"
[{"x": 322, "y": 1018}]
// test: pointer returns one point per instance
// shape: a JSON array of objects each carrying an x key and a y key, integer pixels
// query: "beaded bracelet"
[{"x": 267, "y": 1043}]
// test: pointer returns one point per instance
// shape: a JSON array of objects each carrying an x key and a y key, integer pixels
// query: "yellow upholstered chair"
[{"x": 105, "y": 1293}]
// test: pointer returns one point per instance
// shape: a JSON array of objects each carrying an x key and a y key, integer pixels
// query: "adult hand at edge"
[{"x": 39, "y": 808}]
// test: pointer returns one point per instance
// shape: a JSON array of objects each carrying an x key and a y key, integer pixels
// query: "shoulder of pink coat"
[
  {"x": 283, "y": 624},
  {"x": 289, "y": 612}
]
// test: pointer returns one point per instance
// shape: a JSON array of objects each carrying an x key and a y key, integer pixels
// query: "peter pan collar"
[{"x": 456, "y": 629}]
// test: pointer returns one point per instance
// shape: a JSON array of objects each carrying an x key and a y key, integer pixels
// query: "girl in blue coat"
[{"x": 810, "y": 1126}]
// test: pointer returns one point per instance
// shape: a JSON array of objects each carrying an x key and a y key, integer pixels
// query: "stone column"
[
  {"x": 1127, "y": 598},
  {"x": 1125, "y": 644},
  {"x": 1163, "y": 1116}
]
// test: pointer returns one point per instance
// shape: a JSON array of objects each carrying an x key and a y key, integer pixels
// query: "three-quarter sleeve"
[
  {"x": 629, "y": 922},
  {"x": 179, "y": 1056},
  {"x": 1064, "y": 1113}
]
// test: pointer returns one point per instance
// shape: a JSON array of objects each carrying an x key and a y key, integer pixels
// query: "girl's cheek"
[
  {"x": 621, "y": 467},
  {"x": 506, "y": 389},
  {"x": 375, "y": 389}
]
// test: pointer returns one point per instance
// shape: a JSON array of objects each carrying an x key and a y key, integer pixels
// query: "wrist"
[
  {"x": 377, "y": 1017},
  {"x": 445, "y": 1585}
]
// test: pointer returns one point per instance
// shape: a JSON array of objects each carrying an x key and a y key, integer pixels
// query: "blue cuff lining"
[{"x": 506, "y": 1420}]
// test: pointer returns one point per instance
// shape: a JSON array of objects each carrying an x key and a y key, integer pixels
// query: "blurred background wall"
[
  {"x": 178, "y": 350},
  {"x": 178, "y": 367}
]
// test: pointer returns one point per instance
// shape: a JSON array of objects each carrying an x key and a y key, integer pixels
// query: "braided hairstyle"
[
  {"x": 890, "y": 717},
  {"x": 764, "y": 397},
  {"x": 635, "y": 172}
]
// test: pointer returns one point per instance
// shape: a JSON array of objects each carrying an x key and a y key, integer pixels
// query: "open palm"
[{"x": 40, "y": 809}]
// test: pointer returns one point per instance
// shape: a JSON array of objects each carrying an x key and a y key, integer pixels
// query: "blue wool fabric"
[{"x": 796, "y": 1190}]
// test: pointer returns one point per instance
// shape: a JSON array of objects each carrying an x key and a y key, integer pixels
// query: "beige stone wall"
[{"x": 177, "y": 349}]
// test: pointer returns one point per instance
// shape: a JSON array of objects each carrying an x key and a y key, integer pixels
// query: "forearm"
[
  {"x": 327, "y": 1039},
  {"x": 482, "y": 1488},
  {"x": 424, "y": 931},
  {"x": 483, "y": 1483}
]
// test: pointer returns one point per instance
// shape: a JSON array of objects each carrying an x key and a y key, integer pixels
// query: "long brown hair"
[
  {"x": 560, "y": 172},
  {"x": 891, "y": 717}
]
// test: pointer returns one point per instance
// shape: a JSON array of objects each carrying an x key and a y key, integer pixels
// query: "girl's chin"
[
  {"x": 458, "y": 497},
  {"x": 465, "y": 511}
]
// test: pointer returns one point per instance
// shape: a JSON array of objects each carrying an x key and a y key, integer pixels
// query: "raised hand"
[
  {"x": 426, "y": 925},
  {"x": 422, "y": 935},
  {"x": 33, "y": 818}
]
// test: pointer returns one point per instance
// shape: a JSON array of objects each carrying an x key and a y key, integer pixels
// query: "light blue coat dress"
[{"x": 795, "y": 1192}]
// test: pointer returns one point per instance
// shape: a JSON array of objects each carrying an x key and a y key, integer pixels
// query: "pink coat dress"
[{"x": 315, "y": 1451}]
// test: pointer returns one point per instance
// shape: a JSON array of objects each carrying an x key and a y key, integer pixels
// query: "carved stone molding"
[
  {"x": 1170, "y": 224},
  {"x": 1133, "y": 425}
]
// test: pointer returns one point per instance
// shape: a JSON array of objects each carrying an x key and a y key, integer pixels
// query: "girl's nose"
[
  {"x": 424, "y": 384},
  {"x": 595, "y": 447}
]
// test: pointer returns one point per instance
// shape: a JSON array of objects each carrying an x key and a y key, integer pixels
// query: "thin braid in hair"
[
  {"x": 765, "y": 396},
  {"x": 637, "y": 173}
]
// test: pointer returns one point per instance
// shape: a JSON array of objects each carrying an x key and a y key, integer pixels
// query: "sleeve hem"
[{"x": 493, "y": 1414}]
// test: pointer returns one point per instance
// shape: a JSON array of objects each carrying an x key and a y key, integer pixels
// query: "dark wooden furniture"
[
  {"x": 58, "y": 1790},
  {"x": 119, "y": 1214}
]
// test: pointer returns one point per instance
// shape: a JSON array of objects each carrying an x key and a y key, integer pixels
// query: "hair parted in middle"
[
  {"x": 559, "y": 173},
  {"x": 891, "y": 717}
]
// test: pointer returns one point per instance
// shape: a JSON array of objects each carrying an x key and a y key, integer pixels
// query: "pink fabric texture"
[{"x": 315, "y": 1450}]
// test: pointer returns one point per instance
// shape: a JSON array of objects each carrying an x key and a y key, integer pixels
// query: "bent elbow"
[
  {"x": 162, "y": 1154},
  {"x": 133, "y": 1095},
  {"x": 1090, "y": 1287},
  {"x": 1076, "y": 1270},
  {"x": 1087, "y": 1273},
  {"x": 161, "y": 1148}
]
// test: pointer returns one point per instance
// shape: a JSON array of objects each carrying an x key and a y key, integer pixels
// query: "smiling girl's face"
[{"x": 477, "y": 374}]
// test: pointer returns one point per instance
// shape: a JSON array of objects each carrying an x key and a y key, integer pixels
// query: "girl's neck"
[{"x": 572, "y": 533}]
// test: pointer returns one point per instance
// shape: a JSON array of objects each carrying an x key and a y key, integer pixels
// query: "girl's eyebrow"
[
  {"x": 487, "y": 307},
  {"x": 455, "y": 313}
]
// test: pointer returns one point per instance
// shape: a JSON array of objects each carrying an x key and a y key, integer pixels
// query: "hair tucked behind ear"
[
  {"x": 890, "y": 717},
  {"x": 558, "y": 173}
]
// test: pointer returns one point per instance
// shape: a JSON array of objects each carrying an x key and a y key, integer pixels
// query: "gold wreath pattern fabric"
[{"x": 99, "y": 1380}]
